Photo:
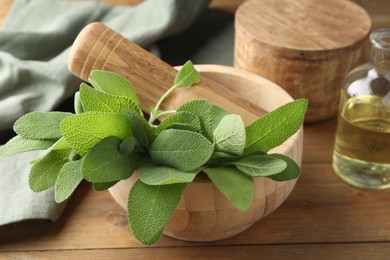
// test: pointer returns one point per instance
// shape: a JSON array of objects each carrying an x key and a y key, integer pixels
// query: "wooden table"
[{"x": 323, "y": 218}]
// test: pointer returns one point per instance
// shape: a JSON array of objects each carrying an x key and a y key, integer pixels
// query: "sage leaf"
[
  {"x": 67, "y": 180},
  {"x": 274, "y": 128},
  {"x": 128, "y": 145},
  {"x": 202, "y": 109},
  {"x": 142, "y": 131},
  {"x": 112, "y": 83},
  {"x": 40, "y": 125},
  {"x": 237, "y": 186},
  {"x": 187, "y": 76},
  {"x": 150, "y": 207},
  {"x": 217, "y": 114},
  {"x": 105, "y": 162},
  {"x": 78, "y": 106},
  {"x": 292, "y": 170},
  {"x": 103, "y": 185},
  {"x": 183, "y": 120},
  {"x": 19, "y": 144},
  {"x": 83, "y": 131},
  {"x": 180, "y": 149},
  {"x": 44, "y": 173},
  {"x": 260, "y": 165},
  {"x": 230, "y": 135},
  {"x": 94, "y": 100},
  {"x": 61, "y": 144},
  {"x": 153, "y": 174}
]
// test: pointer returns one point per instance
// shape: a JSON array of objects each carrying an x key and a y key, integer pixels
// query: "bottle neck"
[{"x": 380, "y": 52}]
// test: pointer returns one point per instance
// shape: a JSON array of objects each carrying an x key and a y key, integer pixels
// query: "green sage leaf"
[
  {"x": 40, "y": 125},
  {"x": 237, "y": 186},
  {"x": 180, "y": 149},
  {"x": 150, "y": 207},
  {"x": 103, "y": 185},
  {"x": 230, "y": 135},
  {"x": 78, "y": 106},
  {"x": 61, "y": 144},
  {"x": 274, "y": 128},
  {"x": 202, "y": 109},
  {"x": 94, "y": 100},
  {"x": 187, "y": 76},
  {"x": 112, "y": 83},
  {"x": 153, "y": 174},
  {"x": 217, "y": 114},
  {"x": 19, "y": 144},
  {"x": 83, "y": 131},
  {"x": 44, "y": 173},
  {"x": 260, "y": 165},
  {"x": 142, "y": 131},
  {"x": 128, "y": 145},
  {"x": 180, "y": 120},
  {"x": 291, "y": 172},
  {"x": 67, "y": 180},
  {"x": 105, "y": 163}
]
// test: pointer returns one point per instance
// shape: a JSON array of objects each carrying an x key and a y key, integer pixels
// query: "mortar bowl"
[{"x": 204, "y": 213}]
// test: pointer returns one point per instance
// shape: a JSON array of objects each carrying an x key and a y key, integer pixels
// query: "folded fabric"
[{"x": 34, "y": 45}]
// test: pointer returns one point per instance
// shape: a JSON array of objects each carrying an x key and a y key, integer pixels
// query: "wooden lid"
[{"x": 304, "y": 25}]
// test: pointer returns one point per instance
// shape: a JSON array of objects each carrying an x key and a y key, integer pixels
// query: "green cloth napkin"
[{"x": 34, "y": 45}]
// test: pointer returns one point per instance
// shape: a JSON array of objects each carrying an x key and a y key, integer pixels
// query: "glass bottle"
[{"x": 361, "y": 154}]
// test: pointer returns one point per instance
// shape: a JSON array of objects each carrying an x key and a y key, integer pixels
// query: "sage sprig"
[{"x": 108, "y": 139}]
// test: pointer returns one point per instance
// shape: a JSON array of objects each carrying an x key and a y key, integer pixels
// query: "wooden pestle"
[{"x": 99, "y": 47}]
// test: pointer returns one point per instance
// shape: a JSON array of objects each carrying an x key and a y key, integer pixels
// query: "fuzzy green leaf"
[
  {"x": 67, "y": 181},
  {"x": 83, "y": 131},
  {"x": 230, "y": 135},
  {"x": 153, "y": 174},
  {"x": 150, "y": 207},
  {"x": 202, "y": 109},
  {"x": 187, "y": 76},
  {"x": 78, "y": 106},
  {"x": 275, "y": 127},
  {"x": 94, "y": 100},
  {"x": 217, "y": 114},
  {"x": 142, "y": 131},
  {"x": 44, "y": 173},
  {"x": 291, "y": 172},
  {"x": 19, "y": 144},
  {"x": 112, "y": 83},
  {"x": 40, "y": 125},
  {"x": 237, "y": 186},
  {"x": 103, "y": 185},
  {"x": 183, "y": 120},
  {"x": 105, "y": 163},
  {"x": 180, "y": 149},
  {"x": 61, "y": 144},
  {"x": 260, "y": 165},
  {"x": 128, "y": 145}
]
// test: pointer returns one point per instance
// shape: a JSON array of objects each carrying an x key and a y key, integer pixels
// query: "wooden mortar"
[
  {"x": 203, "y": 213},
  {"x": 307, "y": 47}
]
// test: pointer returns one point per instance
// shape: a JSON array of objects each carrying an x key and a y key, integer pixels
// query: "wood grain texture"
[
  {"x": 98, "y": 47},
  {"x": 323, "y": 218},
  {"x": 310, "y": 59},
  {"x": 321, "y": 209},
  {"x": 356, "y": 251}
]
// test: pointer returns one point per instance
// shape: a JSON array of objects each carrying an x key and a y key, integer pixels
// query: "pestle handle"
[{"x": 99, "y": 47}]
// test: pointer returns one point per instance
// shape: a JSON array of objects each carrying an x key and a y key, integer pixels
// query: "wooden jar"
[
  {"x": 204, "y": 213},
  {"x": 307, "y": 47}
]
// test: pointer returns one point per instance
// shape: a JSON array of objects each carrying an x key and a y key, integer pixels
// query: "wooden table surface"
[{"x": 323, "y": 218}]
